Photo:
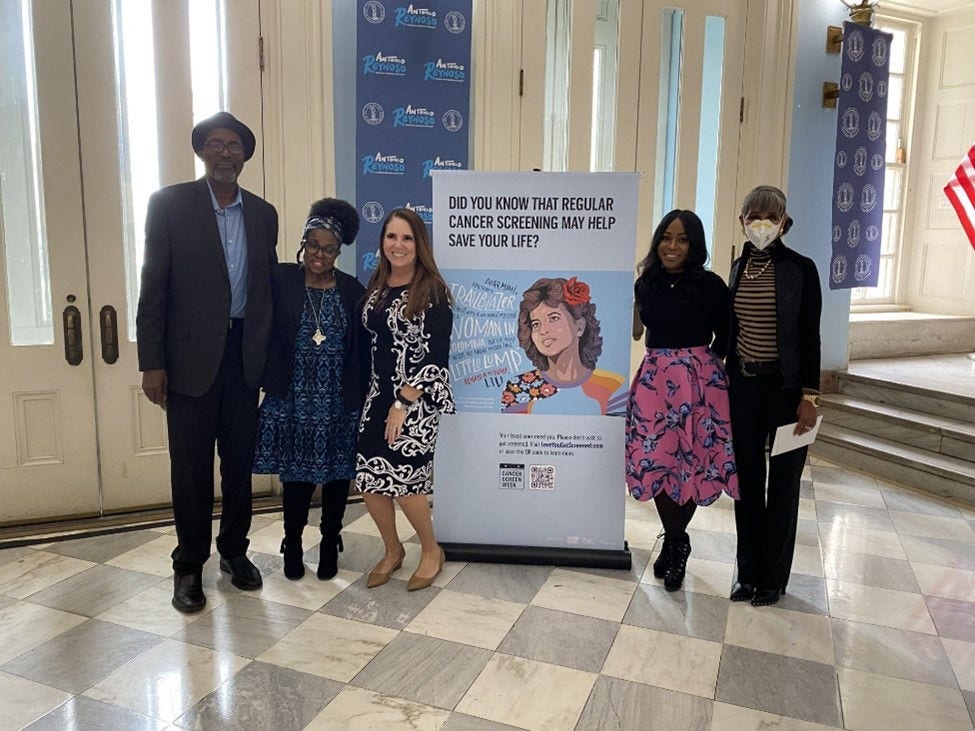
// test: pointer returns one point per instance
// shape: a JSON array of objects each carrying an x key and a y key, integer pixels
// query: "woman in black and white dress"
[{"x": 409, "y": 318}]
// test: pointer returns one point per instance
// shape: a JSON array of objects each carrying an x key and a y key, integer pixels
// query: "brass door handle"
[
  {"x": 108, "y": 324},
  {"x": 74, "y": 351}
]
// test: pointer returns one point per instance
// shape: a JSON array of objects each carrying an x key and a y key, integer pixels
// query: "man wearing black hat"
[{"x": 203, "y": 325}]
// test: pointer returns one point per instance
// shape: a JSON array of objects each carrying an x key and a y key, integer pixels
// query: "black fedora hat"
[{"x": 224, "y": 120}]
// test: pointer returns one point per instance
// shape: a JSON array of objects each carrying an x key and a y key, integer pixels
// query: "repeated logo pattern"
[
  {"x": 412, "y": 102},
  {"x": 859, "y": 159}
]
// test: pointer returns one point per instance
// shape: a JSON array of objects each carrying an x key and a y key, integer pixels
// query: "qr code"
[{"x": 541, "y": 477}]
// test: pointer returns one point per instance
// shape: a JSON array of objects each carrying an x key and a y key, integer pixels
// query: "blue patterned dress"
[{"x": 308, "y": 435}]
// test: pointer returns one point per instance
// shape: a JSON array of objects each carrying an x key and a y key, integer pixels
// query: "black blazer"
[
  {"x": 184, "y": 305},
  {"x": 798, "y": 305},
  {"x": 288, "y": 289}
]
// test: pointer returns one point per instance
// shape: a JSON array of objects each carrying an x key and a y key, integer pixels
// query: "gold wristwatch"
[{"x": 811, "y": 398}]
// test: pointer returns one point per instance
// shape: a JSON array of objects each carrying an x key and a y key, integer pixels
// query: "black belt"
[
  {"x": 235, "y": 322},
  {"x": 760, "y": 368}
]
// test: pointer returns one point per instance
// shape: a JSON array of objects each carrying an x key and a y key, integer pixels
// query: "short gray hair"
[{"x": 766, "y": 198}]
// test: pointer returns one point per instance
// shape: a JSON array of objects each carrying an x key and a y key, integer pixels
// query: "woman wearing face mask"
[
  {"x": 773, "y": 367},
  {"x": 678, "y": 433}
]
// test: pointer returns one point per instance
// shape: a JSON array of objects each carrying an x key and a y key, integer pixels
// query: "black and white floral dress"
[{"x": 404, "y": 352}]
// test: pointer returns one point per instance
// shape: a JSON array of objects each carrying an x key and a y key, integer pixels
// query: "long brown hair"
[
  {"x": 552, "y": 293},
  {"x": 428, "y": 286}
]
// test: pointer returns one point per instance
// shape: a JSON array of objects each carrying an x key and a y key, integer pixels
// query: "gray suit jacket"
[{"x": 184, "y": 304}]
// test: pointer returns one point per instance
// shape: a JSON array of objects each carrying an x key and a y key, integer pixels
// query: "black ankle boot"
[
  {"x": 679, "y": 554},
  {"x": 335, "y": 495},
  {"x": 662, "y": 563},
  {"x": 328, "y": 557},
  {"x": 294, "y": 566}
]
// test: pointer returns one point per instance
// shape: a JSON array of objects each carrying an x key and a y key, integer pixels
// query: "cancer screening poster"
[{"x": 540, "y": 266}]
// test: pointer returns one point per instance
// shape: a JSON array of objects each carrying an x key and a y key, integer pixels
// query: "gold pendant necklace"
[{"x": 319, "y": 337}]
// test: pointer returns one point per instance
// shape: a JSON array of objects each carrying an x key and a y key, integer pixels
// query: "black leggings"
[{"x": 674, "y": 517}]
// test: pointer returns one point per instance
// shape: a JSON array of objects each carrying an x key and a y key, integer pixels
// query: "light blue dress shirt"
[{"x": 233, "y": 236}]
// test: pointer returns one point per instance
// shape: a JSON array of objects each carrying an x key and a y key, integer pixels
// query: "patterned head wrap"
[{"x": 328, "y": 223}]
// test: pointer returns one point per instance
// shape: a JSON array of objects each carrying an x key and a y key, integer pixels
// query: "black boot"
[
  {"x": 294, "y": 566},
  {"x": 662, "y": 563},
  {"x": 335, "y": 495},
  {"x": 678, "y": 563},
  {"x": 296, "y": 499}
]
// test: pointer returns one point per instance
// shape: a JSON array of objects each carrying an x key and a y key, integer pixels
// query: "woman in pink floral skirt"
[{"x": 678, "y": 434}]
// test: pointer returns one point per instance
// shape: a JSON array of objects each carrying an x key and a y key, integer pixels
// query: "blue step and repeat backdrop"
[{"x": 413, "y": 88}]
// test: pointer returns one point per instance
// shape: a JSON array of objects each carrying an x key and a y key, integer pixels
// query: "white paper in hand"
[{"x": 786, "y": 441}]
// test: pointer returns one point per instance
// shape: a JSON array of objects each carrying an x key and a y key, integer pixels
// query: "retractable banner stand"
[{"x": 540, "y": 265}]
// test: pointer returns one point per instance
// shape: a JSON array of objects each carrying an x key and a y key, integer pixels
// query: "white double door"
[{"x": 79, "y": 438}]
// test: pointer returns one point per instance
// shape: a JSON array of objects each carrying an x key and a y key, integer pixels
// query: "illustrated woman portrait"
[{"x": 559, "y": 332}]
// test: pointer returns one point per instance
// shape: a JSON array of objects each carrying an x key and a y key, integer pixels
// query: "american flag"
[{"x": 961, "y": 192}]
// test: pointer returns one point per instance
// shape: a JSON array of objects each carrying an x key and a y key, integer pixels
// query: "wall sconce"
[{"x": 860, "y": 12}]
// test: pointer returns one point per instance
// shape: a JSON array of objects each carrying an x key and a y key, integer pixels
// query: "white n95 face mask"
[{"x": 762, "y": 233}]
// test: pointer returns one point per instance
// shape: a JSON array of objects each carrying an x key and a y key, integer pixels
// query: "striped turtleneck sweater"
[{"x": 754, "y": 306}]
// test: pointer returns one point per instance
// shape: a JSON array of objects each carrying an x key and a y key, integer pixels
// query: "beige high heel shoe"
[
  {"x": 417, "y": 582},
  {"x": 378, "y": 578}
]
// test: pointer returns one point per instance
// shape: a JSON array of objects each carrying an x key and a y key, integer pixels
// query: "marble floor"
[{"x": 877, "y": 632}]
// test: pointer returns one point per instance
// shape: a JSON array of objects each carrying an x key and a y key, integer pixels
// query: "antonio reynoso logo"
[
  {"x": 410, "y": 116},
  {"x": 384, "y": 64},
  {"x": 412, "y": 16},
  {"x": 439, "y": 163},
  {"x": 441, "y": 70},
  {"x": 380, "y": 164}
]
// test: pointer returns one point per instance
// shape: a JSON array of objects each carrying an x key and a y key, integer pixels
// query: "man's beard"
[{"x": 225, "y": 176}]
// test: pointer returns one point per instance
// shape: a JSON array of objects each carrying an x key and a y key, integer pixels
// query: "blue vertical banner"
[
  {"x": 413, "y": 86},
  {"x": 860, "y": 158}
]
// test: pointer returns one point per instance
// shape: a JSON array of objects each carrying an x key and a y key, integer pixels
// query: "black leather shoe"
[
  {"x": 188, "y": 592},
  {"x": 243, "y": 574},
  {"x": 766, "y": 597},
  {"x": 742, "y": 592}
]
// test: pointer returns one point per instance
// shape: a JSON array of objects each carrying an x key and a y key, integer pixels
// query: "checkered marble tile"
[{"x": 876, "y": 631}]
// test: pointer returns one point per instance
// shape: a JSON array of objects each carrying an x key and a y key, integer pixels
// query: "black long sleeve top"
[{"x": 685, "y": 311}]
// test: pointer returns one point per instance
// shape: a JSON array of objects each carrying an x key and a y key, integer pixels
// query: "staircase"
[{"x": 902, "y": 433}]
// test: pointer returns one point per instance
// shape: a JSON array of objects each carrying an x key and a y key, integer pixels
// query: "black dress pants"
[
  {"x": 226, "y": 415},
  {"x": 765, "y": 519}
]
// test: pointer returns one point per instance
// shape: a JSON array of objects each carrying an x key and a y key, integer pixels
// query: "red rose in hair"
[{"x": 575, "y": 292}]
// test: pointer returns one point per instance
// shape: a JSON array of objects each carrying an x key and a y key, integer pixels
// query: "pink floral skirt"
[{"x": 678, "y": 431}]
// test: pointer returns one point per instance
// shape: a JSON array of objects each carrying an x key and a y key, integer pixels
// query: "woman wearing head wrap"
[{"x": 310, "y": 413}]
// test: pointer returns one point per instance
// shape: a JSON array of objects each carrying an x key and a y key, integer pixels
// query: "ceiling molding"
[{"x": 924, "y": 8}]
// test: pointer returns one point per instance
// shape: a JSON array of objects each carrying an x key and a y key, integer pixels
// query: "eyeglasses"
[
  {"x": 312, "y": 248},
  {"x": 218, "y": 146}
]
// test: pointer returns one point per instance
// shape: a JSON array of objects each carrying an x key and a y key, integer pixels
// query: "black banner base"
[{"x": 540, "y": 555}]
